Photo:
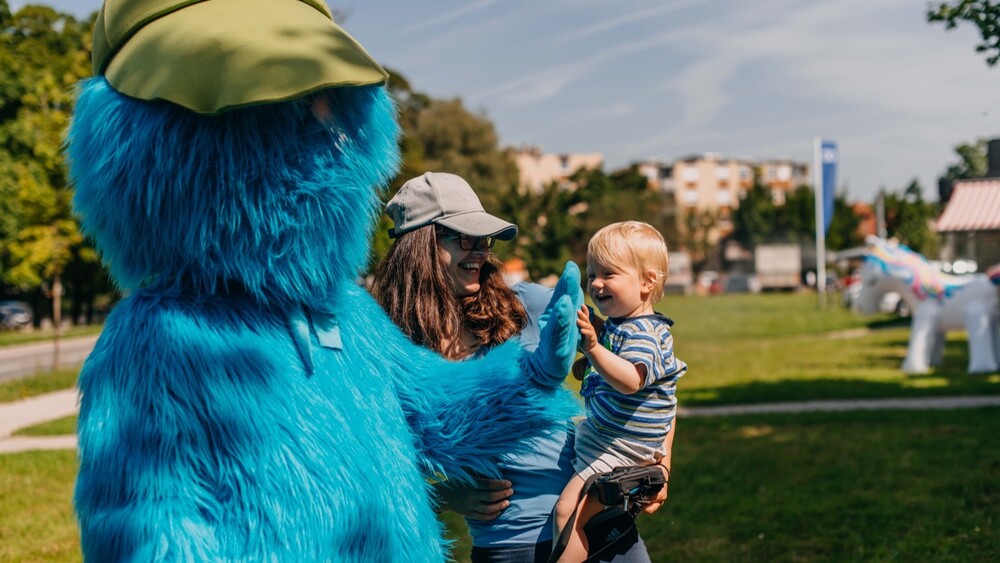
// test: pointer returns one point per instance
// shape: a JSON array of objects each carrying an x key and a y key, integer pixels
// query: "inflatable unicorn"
[{"x": 939, "y": 303}]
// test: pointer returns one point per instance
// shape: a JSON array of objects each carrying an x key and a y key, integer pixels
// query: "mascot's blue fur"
[{"x": 248, "y": 401}]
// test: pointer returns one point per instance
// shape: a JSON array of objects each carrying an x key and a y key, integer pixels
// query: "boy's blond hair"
[{"x": 633, "y": 245}]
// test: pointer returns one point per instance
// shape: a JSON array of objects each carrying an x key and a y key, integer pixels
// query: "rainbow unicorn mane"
[{"x": 897, "y": 260}]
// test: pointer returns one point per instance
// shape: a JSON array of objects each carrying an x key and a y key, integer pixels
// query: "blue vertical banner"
[{"x": 829, "y": 155}]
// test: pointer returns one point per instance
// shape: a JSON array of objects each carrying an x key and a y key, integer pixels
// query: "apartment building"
[
  {"x": 538, "y": 169},
  {"x": 783, "y": 176},
  {"x": 715, "y": 183}
]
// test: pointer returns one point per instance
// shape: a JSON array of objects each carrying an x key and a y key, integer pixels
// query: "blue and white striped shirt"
[{"x": 646, "y": 415}]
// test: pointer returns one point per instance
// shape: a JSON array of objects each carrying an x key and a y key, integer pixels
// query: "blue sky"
[{"x": 635, "y": 79}]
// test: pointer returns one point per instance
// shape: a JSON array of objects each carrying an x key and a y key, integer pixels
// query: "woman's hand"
[
  {"x": 654, "y": 503},
  {"x": 661, "y": 497},
  {"x": 483, "y": 500}
]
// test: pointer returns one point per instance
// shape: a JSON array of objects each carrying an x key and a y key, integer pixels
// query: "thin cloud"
[
  {"x": 546, "y": 83},
  {"x": 625, "y": 19},
  {"x": 449, "y": 16}
]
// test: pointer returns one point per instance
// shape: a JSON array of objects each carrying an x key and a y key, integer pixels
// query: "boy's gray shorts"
[{"x": 596, "y": 453}]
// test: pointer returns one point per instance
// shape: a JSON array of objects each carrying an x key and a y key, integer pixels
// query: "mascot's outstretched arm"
[{"x": 465, "y": 414}]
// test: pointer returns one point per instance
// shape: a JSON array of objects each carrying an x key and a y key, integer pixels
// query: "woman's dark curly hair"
[{"x": 414, "y": 289}]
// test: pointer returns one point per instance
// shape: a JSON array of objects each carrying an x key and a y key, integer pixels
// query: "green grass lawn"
[
  {"x": 866, "y": 486},
  {"x": 36, "y": 511},
  {"x": 870, "y": 486},
  {"x": 782, "y": 347},
  {"x": 37, "y": 385},
  {"x": 58, "y": 427}
]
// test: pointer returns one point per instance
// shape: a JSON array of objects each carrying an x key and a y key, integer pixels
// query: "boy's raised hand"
[
  {"x": 588, "y": 334},
  {"x": 551, "y": 361}
]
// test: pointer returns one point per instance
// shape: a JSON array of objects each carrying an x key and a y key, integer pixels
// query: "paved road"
[
  {"x": 51, "y": 406},
  {"x": 28, "y": 359}
]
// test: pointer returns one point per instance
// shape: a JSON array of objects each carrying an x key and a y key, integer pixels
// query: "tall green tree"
[
  {"x": 557, "y": 222},
  {"x": 759, "y": 219},
  {"x": 43, "y": 53},
  {"x": 908, "y": 218},
  {"x": 971, "y": 163},
  {"x": 461, "y": 142},
  {"x": 548, "y": 225},
  {"x": 754, "y": 219},
  {"x": 444, "y": 136},
  {"x": 984, "y": 14}
]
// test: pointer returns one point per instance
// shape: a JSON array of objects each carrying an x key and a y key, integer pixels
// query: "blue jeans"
[{"x": 539, "y": 553}]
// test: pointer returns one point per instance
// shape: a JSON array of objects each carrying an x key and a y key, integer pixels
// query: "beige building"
[
  {"x": 783, "y": 176},
  {"x": 715, "y": 183},
  {"x": 538, "y": 169}
]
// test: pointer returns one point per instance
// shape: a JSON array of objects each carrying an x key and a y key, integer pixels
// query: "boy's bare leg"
[
  {"x": 577, "y": 549},
  {"x": 567, "y": 503}
]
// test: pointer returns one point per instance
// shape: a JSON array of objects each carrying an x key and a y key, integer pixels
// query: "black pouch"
[
  {"x": 629, "y": 486},
  {"x": 613, "y": 531}
]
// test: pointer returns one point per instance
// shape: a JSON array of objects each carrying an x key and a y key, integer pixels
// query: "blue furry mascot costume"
[{"x": 247, "y": 401}]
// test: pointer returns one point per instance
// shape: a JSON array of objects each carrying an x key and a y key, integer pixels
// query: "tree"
[
  {"x": 754, "y": 219},
  {"x": 43, "y": 54},
  {"x": 908, "y": 218},
  {"x": 697, "y": 227},
  {"x": 458, "y": 141},
  {"x": 443, "y": 136},
  {"x": 984, "y": 14},
  {"x": 548, "y": 224},
  {"x": 972, "y": 161}
]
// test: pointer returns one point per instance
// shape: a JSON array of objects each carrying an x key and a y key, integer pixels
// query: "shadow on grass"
[{"x": 890, "y": 322}]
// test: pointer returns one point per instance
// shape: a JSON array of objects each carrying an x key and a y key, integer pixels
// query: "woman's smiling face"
[{"x": 463, "y": 266}]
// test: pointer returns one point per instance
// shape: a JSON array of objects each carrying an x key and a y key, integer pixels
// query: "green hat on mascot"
[{"x": 211, "y": 56}]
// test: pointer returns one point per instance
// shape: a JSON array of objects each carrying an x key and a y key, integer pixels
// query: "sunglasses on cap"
[{"x": 467, "y": 242}]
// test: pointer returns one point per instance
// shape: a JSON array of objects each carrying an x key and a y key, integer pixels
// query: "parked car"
[
  {"x": 14, "y": 315},
  {"x": 709, "y": 282},
  {"x": 891, "y": 302},
  {"x": 739, "y": 282}
]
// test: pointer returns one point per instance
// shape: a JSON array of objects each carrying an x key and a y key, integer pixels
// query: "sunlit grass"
[
  {"x": 37, "y": 384},
  {"x": 865, "y": 486},
  {"x": 58, "y": 427},
  {"x": 783, "y": 347},
  {"x": 36, "y": 511}
]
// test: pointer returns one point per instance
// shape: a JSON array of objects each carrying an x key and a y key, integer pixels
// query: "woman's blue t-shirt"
[{"x": 537, "y": 477}]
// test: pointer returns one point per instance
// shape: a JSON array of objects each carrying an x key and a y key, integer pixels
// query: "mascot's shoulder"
[{"x": 152, "y": 325}]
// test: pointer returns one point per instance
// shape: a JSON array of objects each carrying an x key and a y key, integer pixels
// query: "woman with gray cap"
[{"x": 442, "y": 286}]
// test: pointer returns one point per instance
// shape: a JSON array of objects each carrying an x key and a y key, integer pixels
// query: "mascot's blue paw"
[{"x": 549, "y": 364}]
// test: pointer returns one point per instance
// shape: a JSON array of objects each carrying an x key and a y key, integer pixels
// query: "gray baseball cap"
[{"x": 447, "y": 200}]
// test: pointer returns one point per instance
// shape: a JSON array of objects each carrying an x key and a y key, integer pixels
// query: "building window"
[
  {"x": 691, "y": 197},
  {"x": 722, "y": 173},
  {"x": 690, "y": 174}
]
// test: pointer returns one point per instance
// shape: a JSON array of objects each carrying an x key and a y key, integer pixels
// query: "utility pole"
[
  {"x": 820, "y": 223},
  {"x": 880, "y": 213}
]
